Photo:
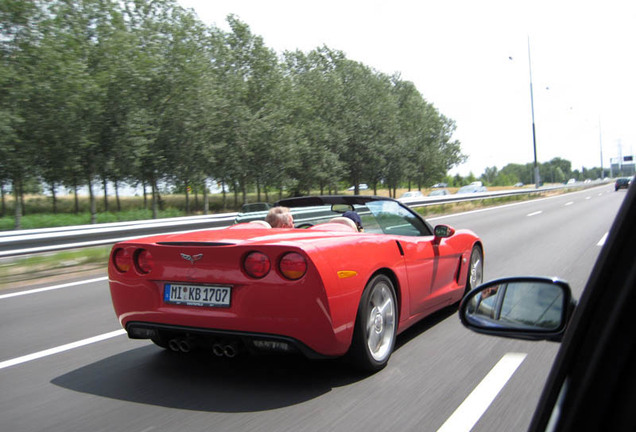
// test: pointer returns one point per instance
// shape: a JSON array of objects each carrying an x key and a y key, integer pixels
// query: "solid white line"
[
  {"x": 59, "y": 349},
  {"x": 602, "y": 240},
  {"x": 535, "y": 213},
  {"x": 39, "y": 290},
  {"x": 476, "y": 404}
]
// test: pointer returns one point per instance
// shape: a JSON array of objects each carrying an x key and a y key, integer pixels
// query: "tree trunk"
[
  {"x": 54, "y": 198},
  {"x": 117, "y": 196},
  {"x": 18, "y": 207},
  {"x": 93, "y": 202},
  {"x": 196, "y": 199},
  {"x": 143, "y": 184},
  {"x": 3, "y": 209},
  {"x": 105, "y": 184},
  {"x": 155, "y": 211},
  {"x": 224, "y": 194},
  {"x": 22, "y": 200},
  {"x": 76, "y": 198},
  {"x": 187, "y": 198},
  {"x": 206, "y": 200}
]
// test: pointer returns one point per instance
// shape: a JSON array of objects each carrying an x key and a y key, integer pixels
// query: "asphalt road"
[{"x": 116, "y": 384}]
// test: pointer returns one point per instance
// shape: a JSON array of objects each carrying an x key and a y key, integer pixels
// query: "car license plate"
[{"x": 197, "y": 295}]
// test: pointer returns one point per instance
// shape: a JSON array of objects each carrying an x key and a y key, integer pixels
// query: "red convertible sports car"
[{"x": 324, "y": 288}]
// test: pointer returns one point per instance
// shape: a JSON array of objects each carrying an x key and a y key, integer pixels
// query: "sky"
[{"x": 470, "y": 59}]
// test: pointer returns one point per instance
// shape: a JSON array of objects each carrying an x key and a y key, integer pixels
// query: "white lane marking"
[
  {"x": 602, "y": 240},
  {"x": 61, "y": 348},
  {"x": 503, "y": 206},
  {"x": 535, "y": 213},
  {"x": 587, "y": 198},
  {"x": 478, "y": 401},
  {"x": 569, "y": 203},
  {"x": 39, "y": 290}
]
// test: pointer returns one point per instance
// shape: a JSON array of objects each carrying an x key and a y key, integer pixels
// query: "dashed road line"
[
  {"x": 61, "y": 348},
  {"x": 39, "y": 290},
  {"x": 478, "y": 401}
]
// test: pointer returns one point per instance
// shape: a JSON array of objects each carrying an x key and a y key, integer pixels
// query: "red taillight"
[
  {"x": 122, "y": 260},
  {"x": 144, "y": 261},
  {"x": 293, "y": 266},
  {"x": 257, "y": 265}
]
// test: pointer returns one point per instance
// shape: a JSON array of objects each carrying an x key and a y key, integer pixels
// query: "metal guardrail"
[{"x": 24, "y": 242}]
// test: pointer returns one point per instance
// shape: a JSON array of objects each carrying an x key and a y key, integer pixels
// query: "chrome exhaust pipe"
[
  {"x": 230, "y": 350},
  {"x": 173, "y": 344},
  {"x": 184, "y": 346},
  {"x": 218, "y": 350}
]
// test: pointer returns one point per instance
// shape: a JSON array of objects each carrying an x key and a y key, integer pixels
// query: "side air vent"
[{"x": 200, "y": 244}]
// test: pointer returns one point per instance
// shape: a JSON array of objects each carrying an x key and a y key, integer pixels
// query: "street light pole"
[{"x": 537, "y": 181}]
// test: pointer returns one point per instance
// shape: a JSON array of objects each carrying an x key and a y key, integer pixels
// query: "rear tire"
[{"x": 376, "y": 326}]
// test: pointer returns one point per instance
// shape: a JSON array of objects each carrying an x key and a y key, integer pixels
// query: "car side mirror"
[
  {"x": 442, "y": 231},
  {"x": 531, "y": 308}
]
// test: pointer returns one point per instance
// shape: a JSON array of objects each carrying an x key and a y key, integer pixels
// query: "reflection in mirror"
[
  {"x": 341, "y": 208},
  {"x": 527, "y": 305}
]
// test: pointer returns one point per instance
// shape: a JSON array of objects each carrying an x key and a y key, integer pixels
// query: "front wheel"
[
  {"x": 376, "y": 325},
  {"x": 475, "y": 269}
]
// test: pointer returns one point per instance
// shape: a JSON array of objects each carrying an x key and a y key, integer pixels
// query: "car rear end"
[{"x": 224, "y": 296}]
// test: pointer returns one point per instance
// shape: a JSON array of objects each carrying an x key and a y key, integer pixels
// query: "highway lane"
[{"x": 119, "y": 384}]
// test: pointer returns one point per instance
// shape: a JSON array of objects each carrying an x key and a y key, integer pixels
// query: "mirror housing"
[
  {"x": 530, "y": 308},
  {"x": 442, "y": 231}
]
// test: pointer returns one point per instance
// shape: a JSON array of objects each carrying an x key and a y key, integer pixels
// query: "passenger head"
[
  {"x": 355, "y": 217},
  {"x": 280, "y": 217}
]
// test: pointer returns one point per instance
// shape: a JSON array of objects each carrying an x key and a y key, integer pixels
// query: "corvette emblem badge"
[{"x": 192, "y": 258}]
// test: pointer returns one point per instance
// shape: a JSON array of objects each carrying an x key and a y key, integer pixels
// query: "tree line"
[{"x": 143, "y": 93}]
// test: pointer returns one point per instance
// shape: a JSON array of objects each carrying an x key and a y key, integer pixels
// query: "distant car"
[
  {"x": 361, "y": 186},
  {"x": 323, "y": 289},
  {"x": 439, "y": 192},
  {"x": 440, "y": 185},
  {"x": 571, "y": 181},
  {"x": 519, "y": 184},
  {"x": 471, "y": 189},
  {"x": 412, "y": 194},
  {"x": 622, "y": 183}
]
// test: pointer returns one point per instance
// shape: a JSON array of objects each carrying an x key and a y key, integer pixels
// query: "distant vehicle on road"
[
  {"x": 571, "y": 181},
  {"x": 412, "y": 194},
  {"x": 361, "y": 186},
  {"x": 439, "y": 192},
  {"x": 471, "y": 189},
  {"x": 519, "y": 184},
  {"x": 440, "y": 185},
  {"x": 622, "y": 183}
]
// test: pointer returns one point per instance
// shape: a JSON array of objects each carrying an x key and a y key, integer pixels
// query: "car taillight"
[
  {"x": 293, "y": 266},
  {"x": 122, "y": 260},
  {"x": 257, "y": 265},
  {"x": 144, "y": 261}
]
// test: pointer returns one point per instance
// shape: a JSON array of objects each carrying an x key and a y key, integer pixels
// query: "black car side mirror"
[{"x": 531, "y": 308}]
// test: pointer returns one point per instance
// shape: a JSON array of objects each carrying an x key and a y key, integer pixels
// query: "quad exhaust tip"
[{"x": 225, "y": 350}]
